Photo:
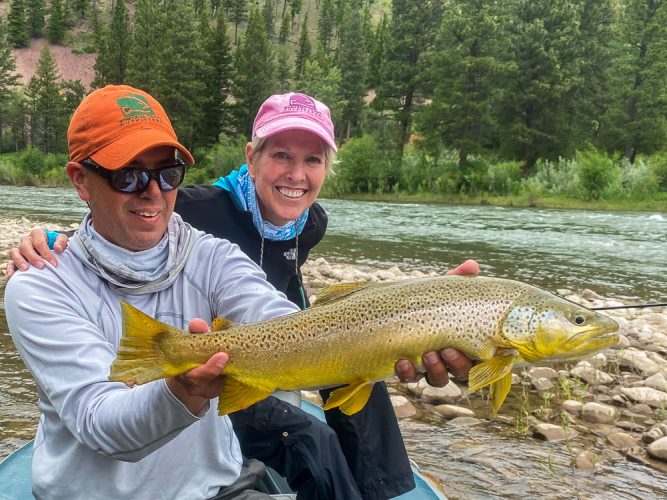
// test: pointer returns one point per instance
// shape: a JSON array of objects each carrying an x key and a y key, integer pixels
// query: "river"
[{"x": 616, "y": 254}]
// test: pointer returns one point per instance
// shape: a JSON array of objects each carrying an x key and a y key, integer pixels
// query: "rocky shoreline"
[{"x": 616, "y": 399}]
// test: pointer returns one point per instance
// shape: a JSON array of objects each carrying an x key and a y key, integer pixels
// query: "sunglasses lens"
[
  {"x": 130, "y": 180},
  {"x": 171, "y": 177}
]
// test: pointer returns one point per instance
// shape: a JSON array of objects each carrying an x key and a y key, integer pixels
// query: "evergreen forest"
[{"x": 535, "y": 102}]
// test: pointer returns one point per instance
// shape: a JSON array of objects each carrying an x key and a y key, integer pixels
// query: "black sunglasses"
[{"x": 137, "y": 180}]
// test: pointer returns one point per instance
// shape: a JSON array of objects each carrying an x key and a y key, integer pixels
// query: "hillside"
[{"x": 70, "y": 65}]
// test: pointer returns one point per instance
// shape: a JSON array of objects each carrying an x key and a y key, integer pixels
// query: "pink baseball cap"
[{"x": 282, "y": 112}]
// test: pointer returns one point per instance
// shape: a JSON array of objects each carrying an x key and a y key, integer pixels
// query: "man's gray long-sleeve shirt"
[{"x": 101, "y": 439}]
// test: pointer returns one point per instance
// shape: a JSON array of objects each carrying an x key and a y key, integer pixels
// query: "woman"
[{"x": 268, "y": 208}]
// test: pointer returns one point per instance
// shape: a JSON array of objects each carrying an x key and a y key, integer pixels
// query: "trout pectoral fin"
[
  {"x": 237, "y": 396},
  {"x": 499, "y": 390},
  {"x": 351, "y": 398},
  {"x": 488, "y": 372}
]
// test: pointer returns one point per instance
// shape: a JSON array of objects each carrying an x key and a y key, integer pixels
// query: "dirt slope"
[{"x": 70, "y": 66}]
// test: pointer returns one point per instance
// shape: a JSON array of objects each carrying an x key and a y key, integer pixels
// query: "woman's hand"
[
  {"x": 34, "y": 249},
  {"x": 438, "y": 364}
]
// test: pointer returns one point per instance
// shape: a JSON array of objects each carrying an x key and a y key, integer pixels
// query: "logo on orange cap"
[{"x": 135, "y": 105}]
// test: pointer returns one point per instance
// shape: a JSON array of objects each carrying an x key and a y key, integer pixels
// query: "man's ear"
[{"x": 76, "y": 175}]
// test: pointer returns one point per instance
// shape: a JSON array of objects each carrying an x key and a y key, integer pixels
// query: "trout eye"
[{"x": 579, "y": 320}]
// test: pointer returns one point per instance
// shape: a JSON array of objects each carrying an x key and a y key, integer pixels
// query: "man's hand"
[
  {"x": 438, "y": 364},
  {"x": 34, "y": 249},
  {"x": 196, "y": 387}
]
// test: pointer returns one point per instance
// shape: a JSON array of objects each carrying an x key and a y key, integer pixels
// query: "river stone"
[
  {"x": 587, "y": 461},
  {"x": 646, "y": 395},
  {"x": 590, "y": 295},
  {"x": 550, "y": 432},
  {"x": 657, "y": 381},
  {"x": 571, "y": 406},
  {"x": 542, "y": 372},
  {"x": 448, "y": 394},
  {"x": 465, "y": 421},
  {"x": 597, "y": 412},
  {"x": 638, "y": 361},
  {"x": 622, "y": 440},
  {"x": 453, "y": 411},
  {"x": 653, "y": 434},
  {"x": 598, "y": 361},
  {"x": 516, "y": 379},
  {"x": 630, "y": 425},
  {"x": 658, "y": 449},
  {"x": 542, "y": 384},
  {"x": 591, "y": 375},
  {"x": 402, "y": 407}
]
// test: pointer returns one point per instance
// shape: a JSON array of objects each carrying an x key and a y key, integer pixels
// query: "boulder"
[
  {"x": 591, "y": 375},
  {"x": 597, "y": 412},
  {"x": 587, "y": 461},
  {"x": 573, "y": 407},
  {"x": 638, "y": 361},
  {"x": 658, "y": 449},
  {"x": 622, "y": 440},
  {"x": 403, "y": 408},
  {"x": 657, "y": 381},
  {"x": 542, "y": 383},
  {"x": 542, "y": 372},
  {"x": 646, "y": 395},
  {"x": 451, "y": 393},
  {"x": 465, "y": 421},
  {"x": 453, "y": 411},
  {"x": 550, "y": 432}
]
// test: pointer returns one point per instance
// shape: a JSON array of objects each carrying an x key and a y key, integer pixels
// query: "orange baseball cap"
[{"x": 115, "y": 124}]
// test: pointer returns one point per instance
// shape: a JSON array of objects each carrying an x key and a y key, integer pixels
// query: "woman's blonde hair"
[{"x": 258, "y": 144}]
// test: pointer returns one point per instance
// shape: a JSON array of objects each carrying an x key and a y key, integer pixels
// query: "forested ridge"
[{"x": 463, "y": 98}]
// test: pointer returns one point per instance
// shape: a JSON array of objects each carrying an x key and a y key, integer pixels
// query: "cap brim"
[
  {"x": 122, "y": 151},
  {"x": 295, "y": 123}
]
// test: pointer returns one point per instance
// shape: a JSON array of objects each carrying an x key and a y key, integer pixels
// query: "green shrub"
[
  {"x": 658, "y": 165},
  {"x": 504, "y": 178},
  {"x": 363, "y": 168},
  {"x": 639, "y": 181},
  {"x": 596, "y": 172},
  {"x": 226, "y": 155}
]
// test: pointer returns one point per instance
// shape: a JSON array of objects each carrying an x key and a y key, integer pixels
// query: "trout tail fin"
[{"x": 141, "y": 356}]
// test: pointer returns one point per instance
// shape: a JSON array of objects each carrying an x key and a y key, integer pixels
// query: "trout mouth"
[{"x": 589, "y": 342}]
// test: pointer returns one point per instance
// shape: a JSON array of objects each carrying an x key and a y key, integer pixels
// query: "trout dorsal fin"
[
  {"x": 219, "y": 324},
  {"x": 332, "y": 293}
]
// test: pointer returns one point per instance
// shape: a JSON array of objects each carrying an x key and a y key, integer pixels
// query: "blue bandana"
[{"x": 242, "y": 187}]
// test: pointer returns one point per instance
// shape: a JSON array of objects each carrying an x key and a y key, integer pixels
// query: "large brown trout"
[{"x": 355, "y": 333}]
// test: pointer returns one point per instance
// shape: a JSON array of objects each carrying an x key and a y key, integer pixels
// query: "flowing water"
[{"x": 620, "y": 255}]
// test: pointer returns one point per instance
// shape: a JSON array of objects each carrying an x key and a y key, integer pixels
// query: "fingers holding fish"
[
  {"x": 468, "y": 268},
  {"x": 195, "y": 387},
  {"x": 457, "y": 363}
]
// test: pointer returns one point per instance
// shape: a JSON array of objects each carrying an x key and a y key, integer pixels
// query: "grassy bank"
[{"x": 659, "y": 204}]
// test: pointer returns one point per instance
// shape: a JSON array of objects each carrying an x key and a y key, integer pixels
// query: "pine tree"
[
  {"x": 8, "y": 78},
  {"x": 119, "y": 44},
  {"x": 57, "y": 22},
  {"x": 255, "y": 73},
  {"x": 183, "y": 68},
  {"x": 80, "y": 6},
  {"x": 284, "y": 30},
  {"x": 238, "y": 16},
  {"x": 149, "y": 39},
  {"x": 218, "y": 82},
  {"x": 304, "y": 49},
  {"x": 465, "y": 68},
  {"x": 46, "y": 105},
  {"x": 267, "y": 13},
  {"x": 326, "y": 23},
  {"x": 412, "y": 33},
  {"x": 377, "y": 52},
  {"x": 541, "y": 37},
  {"x": 637, "y": 119},
  {"x": 322, "y": 79},
  {"x": 17, "y": 32},
  {"x": 36, "y": 18},
  {"x": 352, "y": 59}
]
